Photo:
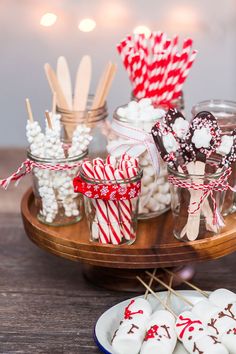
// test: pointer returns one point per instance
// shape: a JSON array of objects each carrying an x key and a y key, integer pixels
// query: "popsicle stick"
[
  {"x": 47, "y": 115},
  {"x": 82, "y": 84},
  {"x": 55, "y": 86},
  {"x": 107, "y": 87},
  {"x": 99, "y": 90},
  {"x": 64, "y": 79},
  {"x": 187, "y": 282},
  {"x": 156, "y": 296},
  {"x": 54, "y": 103},
  {"x": 171, "y": 290},
  {"x": 150, "y": 283},
  {"x": 29, "y": 110}
]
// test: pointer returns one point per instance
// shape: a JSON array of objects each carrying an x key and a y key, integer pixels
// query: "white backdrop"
[{"x": 26, "y": 46}]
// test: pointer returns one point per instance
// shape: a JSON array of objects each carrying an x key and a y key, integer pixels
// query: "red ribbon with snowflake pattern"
[{"x": 106, "y": 191}]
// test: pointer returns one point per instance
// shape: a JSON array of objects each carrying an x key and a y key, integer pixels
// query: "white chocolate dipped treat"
[
  {"x": 128, "y": 338},
  {"x": 229, "y": 340},
  {"x": 222, "y": 297},
  {"x": 195, "y": 336},
  {"x": 220, "y": 323},
  {"x": 160, "y": 337}
]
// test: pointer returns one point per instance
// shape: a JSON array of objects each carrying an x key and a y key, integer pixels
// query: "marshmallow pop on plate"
[
  {"x": 128, "y": 338},
  {"x": 219, "y": 314}
]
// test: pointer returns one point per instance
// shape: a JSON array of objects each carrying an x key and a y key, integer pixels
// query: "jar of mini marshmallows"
[
  {"x": 94, "y": 119},
  {"x": 155, "y": 192},
  {"x": 55, "y": 200}
]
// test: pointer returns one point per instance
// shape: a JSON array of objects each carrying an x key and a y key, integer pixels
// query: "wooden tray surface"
[{"x": 155, "y": 245}]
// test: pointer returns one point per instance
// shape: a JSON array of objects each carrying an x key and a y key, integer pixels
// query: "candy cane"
[
  {"x": 113, "y": 210},
  {"x": 102, "y": 216},
  {"x": 125, "y": 211}
]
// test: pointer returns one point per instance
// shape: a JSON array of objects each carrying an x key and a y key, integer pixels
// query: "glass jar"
[
  {"x": 111, "y": 221},
  {"x": 155, "y": 193},
  {"x": 55, "y": 200},
  {"x": 94, "y": 119},
  {"x": 225, "y": 112},
  {"x": 195, "y": 214}
]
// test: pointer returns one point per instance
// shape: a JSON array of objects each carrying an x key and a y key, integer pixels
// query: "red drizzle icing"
[
  {"x": 128, "y": 313},
  {"x": 187, "y": 325}
]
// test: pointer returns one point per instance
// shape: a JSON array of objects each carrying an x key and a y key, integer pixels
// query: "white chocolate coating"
[
  {"x": 160, "y": 336},
  {"x": 222, "y": 297},
  {"x": 128, "y": 338}
]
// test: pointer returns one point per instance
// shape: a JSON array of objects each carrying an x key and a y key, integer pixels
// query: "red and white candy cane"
[
  {"x": 125, "y": 211},
  {"x": 102, "y": 215},
  {"x": 111, "y": 160},
  {"x": 113, "y": 210},
  {"x": 87, "y": 168}
]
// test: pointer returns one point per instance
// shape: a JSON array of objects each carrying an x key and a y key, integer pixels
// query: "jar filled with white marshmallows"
[{"x": 131, "y": 126}]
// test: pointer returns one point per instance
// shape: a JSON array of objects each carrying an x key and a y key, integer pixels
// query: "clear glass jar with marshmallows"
[
  {"x": 155, "y": 192},
  {"x": 94, "y": 119},
  {"x": 55, "y": 200}
]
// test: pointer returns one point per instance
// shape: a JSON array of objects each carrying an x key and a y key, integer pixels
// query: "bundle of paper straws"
[{"x": 155, "y": 66}]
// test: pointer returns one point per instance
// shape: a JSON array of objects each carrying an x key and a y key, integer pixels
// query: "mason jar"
[
  {"x": 225, "y": 112},
  {"x": 55, "y": 200},
  {"x": 111, "y": 220},
  {"x": 196, "y": 202},
  {"x": 155, "y": 193},
  {"x": 92, "y": 118}
]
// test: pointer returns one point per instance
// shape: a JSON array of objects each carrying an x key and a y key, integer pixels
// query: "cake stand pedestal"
[{"x": 116, "y": 267}]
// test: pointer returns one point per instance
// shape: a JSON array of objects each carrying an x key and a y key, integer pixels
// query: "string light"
[
  {"x": 48, "y": 19},
  {"x": 87, "y": 25},
  {"x": 142, "y": 30}
]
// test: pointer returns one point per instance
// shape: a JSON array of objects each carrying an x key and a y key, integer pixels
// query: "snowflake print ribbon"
[{"x": 116, "y": 191}]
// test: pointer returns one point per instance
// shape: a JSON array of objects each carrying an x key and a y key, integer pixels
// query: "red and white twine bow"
[
  {"x": 27, "y": 167},
  {"x": 219, "y": 185},
  {"x": 114, "y": 191}
]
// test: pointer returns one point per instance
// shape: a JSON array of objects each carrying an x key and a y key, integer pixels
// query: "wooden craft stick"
[
  {"x": 55, "y": 86},
  {"x": 99, "y": 89},
  {"x": 29, "y": 110},
  {"x": 64, "y": 79},
  {"x": 150, "y": 283},
  {"x": 187, "y": 282},
  {"x": 107, "y": 87},
  {"x": 82, "y": 84},
  {"x": 54, "y": 103},
  {"x": 47, "y": 115},
  {"x": 156, "y": 296},
  {"x": 171, "y": 290}
]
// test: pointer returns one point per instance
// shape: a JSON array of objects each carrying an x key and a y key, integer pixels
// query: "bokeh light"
[
  {"x": 87, "y": 25},
  {"x": 142, "y": 30},
  {"x": 48, "y": 19}
]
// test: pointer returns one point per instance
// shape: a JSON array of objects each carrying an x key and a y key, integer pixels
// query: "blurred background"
[{"x": 35, "y": 32}]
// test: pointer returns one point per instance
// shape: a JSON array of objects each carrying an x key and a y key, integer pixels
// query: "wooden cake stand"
[{"x": 116, "y": 267}]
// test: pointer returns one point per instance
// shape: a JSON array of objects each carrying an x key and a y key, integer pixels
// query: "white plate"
[{"x": 108, "y": 322}]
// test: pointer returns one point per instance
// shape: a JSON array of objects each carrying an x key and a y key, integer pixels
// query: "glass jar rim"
[
  {"x": 127, "y": 120},
  {"x": 88, "y": 115},
  {"x": 90, "y": 180},
  {"x": 214, "y": 104},
  {"x": 182, "y": 175},
  {"x": 57, "y": 160}
]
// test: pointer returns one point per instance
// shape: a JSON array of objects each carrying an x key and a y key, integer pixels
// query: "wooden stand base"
[
  {"x": 116, "y": 267},
  {"x": 125, "y": 279}
]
